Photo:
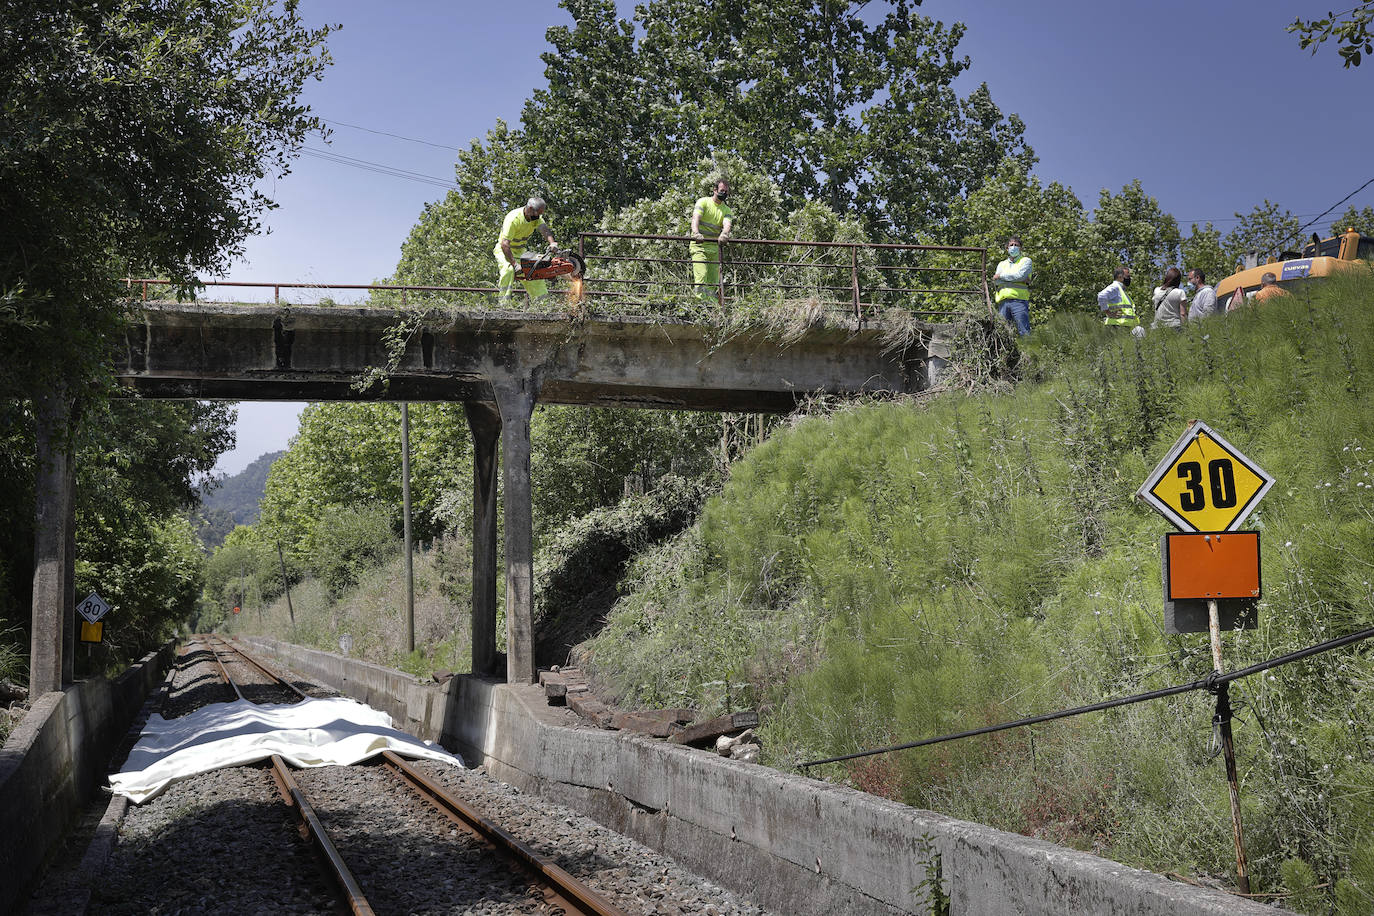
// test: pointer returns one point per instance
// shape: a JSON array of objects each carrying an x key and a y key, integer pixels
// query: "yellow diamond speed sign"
[{"x": 1204, "y": 483}]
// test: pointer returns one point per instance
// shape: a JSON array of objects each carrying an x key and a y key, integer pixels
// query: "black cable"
[
  {"x": 1212, "y": 682},
  {"x": 384, "y": 133}
]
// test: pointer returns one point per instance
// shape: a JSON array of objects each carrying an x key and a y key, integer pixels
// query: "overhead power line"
[
  {"x": 385, "y": 133},
  {"x": 1335, "y": 205},
  {"x": 380, "y": 168}
]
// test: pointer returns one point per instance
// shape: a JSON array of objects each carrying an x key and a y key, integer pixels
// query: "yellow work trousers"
[
  {"x": 537, "y": 289},
  {"x": 706, "y": 269}
]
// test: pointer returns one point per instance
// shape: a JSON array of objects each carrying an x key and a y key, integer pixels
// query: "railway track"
[
  {"x": 524, "y": 876},
  {"x": 387, "y": 836}
]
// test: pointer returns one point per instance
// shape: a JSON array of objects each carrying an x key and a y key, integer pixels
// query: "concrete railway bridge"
[
  {"x": 793, "y": 844},
  {"x": 499, "y": 364}
]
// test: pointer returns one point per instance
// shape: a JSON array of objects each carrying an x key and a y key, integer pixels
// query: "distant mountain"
[{"x": 230, "y": 501}]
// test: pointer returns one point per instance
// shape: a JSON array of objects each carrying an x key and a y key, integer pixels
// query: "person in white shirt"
[
  {"x": 1203, "y": 296},
  {"x": 1171, "y": 305},
  {"x": 1116, "y": 305},
  {"x": 1012, "y": 279}
]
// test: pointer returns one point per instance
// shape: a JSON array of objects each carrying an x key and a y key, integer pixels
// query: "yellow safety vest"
[
  {"x": 1127, "y": 313},
  {"x": 1013, "y": 289},
  {"x": 517, "y": 230},
  {"x": 711, "y": 217}
]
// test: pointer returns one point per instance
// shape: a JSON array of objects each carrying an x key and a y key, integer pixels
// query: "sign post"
[{"x": 1206, "y": 487}]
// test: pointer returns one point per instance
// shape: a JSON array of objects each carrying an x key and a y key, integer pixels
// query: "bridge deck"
[{"x": 301, "y": 353}]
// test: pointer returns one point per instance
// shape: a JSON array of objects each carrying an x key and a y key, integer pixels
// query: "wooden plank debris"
[
  {"x": 712, "y": 729},
  {"x": 589, "y": 707}
]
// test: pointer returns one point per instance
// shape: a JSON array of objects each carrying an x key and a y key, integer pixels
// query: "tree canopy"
[
  {"x": 858, "y": 111},
  {"x": 134, "y": 134}
]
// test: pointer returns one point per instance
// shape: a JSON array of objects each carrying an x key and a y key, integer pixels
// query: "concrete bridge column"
[
  {"x": 515, "y": 400},
  {"x": 52, "y": 558},
  {"x": 939, "y": 348},
  {"x": 485, "y": 423}
]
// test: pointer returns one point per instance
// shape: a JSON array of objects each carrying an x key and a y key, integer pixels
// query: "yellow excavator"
[{"x": 1293, "y": 269}]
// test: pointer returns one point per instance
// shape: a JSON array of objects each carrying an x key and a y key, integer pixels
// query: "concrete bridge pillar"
[
  {"x": 53, "y": 557},
  {"x": 939, "y": 348},
  {"x": 515, "y": 401},
  {"x": 485, "y": 423}
]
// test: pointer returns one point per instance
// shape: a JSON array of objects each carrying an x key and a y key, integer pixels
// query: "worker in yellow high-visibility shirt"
[
  {"x": 516, "y": 229},
  {"x": 711, "y": 222}
]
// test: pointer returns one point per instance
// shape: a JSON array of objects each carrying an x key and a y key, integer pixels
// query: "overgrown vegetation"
[{"x": 897, "y": 571}]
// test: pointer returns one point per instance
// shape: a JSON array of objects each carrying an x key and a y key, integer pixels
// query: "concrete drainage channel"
[{"x": 790, "y": 843}]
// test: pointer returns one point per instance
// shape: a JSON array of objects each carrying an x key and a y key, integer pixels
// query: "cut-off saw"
[{"x": 551, "y": 266}]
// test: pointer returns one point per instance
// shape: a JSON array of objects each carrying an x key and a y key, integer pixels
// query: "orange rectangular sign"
[
  {"x": 92, "y": 632},
  {"x": 1221, "y": 564}
]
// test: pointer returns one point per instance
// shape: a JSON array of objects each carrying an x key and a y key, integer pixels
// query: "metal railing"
[
  {"x": 856, "y": 278},
  {"x": 145, "y": 282},
  {"x": 870, "y": 275}
]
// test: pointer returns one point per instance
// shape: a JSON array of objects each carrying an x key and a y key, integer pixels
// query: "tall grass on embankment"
[
  {"x": 372, "y": 613},
  {"x": 899, "y": 571}
]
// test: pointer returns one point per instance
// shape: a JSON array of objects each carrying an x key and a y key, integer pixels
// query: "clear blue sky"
[{"x": 1209, "y": 103}]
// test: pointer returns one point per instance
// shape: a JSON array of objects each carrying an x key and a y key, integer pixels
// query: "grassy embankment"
[
  {"x": 899, "y": 571},
  {"x": 372, "y": 613}
]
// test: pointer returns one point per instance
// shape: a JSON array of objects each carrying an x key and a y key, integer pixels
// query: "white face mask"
[
  {"x": 1014, "y": 250},
  {"x": 1189, "y": 286}
]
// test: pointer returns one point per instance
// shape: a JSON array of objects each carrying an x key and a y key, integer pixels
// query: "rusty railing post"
[
  {"x": 720, "y": 273},
  {"x": 276, "y": 294},
  {"x": 854, "y": 276},
  {"x": 987, "y": 296}
]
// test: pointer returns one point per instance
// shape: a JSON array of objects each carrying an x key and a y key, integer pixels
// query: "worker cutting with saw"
[{"x": 516, "y": 230}]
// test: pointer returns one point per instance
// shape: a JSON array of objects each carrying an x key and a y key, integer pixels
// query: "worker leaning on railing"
[{"x": 711, "y": 222}]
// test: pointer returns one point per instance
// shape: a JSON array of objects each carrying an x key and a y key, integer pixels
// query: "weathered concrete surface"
[
  {"x": 299, "y": 353},
  {"x": 792, "y": 844},
  {"x": 54, "y": 761}
]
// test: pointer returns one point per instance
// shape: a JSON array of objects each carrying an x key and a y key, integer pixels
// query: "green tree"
[
  {"x": 1134, "y": 231},
  {"x": 860, "y": 116},
  {"x": 1361, "y": 221},
  {"x": 1264, "y": 230},
  {"x": 582, "y": 457},
  {"x": 1350, "y": 29},
  {"x": 349, "y": 455},
  {"x": 1055, "y": 231},
  {"x": 138, "y": 466},
  {"x": 598, "y": 123},
  {"x": 1203, "y": 249},
  {"x": 135, "y": 137}
]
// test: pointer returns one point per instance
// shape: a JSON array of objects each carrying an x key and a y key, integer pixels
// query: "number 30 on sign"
[{"x": 1204, "y": 483}]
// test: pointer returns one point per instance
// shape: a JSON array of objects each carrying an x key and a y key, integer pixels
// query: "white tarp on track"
[{"x": 311, "y": 733}]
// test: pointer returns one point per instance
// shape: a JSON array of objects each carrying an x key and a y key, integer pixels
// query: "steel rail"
[
  {"x": 223, "y": 671},
  {"x": 267, "y": 671},
  {"x": 313, "y": 829},
  {"x": 565, "y": 890}
]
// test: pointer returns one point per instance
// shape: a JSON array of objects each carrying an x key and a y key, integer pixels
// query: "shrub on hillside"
[
  {"x": 894, "y": 572},
  {"x": 577, "y": 571},
  {"x": 349, "y": 541}
]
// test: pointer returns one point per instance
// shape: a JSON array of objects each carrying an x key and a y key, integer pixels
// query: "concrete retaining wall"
[
  {"x": 54, "y": 761},
  {"x": 792, "y": 844}
]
